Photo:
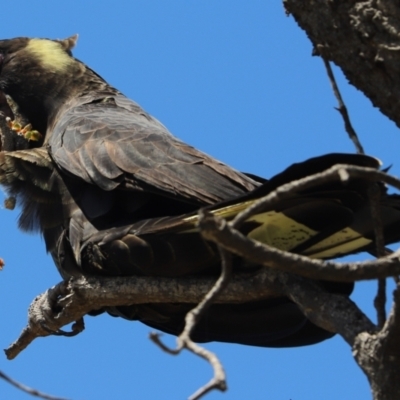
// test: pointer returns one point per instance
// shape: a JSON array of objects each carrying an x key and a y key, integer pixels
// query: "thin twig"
[
  {"x": 194, "y": 315},
  {"x": 218, "y": 381},
  {"x": 342, "y": 108},
  {"x": 27, "y": 389}
]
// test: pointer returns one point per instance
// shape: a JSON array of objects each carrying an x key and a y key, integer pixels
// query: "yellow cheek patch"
[{"x": 50, "y": 54}]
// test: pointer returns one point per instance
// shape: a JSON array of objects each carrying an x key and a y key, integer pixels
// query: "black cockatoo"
[{"x": 114, "y": 193}]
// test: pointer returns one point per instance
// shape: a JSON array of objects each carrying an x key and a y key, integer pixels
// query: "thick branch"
[
  {"x": 78, "y": 297},
  {"x": 362, "y": 38}
]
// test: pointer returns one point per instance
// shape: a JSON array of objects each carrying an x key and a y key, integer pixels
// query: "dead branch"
[
  {"x": 85, "y": 294},
  {"x": 79, "y": 296}
]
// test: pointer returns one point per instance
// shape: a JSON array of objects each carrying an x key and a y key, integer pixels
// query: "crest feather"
[{"x": 69, "y": 43}]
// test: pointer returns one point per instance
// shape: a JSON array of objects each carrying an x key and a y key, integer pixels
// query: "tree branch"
[
  {"x": 361, "y": 37},
  {"x": 185, "y": 342},
  {"x": 77, "y": 297}
]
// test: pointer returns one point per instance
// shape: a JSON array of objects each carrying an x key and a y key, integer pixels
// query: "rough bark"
[{"x": 363, "y": 39}]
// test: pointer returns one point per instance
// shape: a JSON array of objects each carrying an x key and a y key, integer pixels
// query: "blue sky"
[{"x": 237, "y": 80}]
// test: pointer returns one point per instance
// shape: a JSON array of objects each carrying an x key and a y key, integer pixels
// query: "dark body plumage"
[{"x": 114, "y": 193}]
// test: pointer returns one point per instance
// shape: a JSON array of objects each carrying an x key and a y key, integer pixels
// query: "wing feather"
[{"x": 114, "y": 143}]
